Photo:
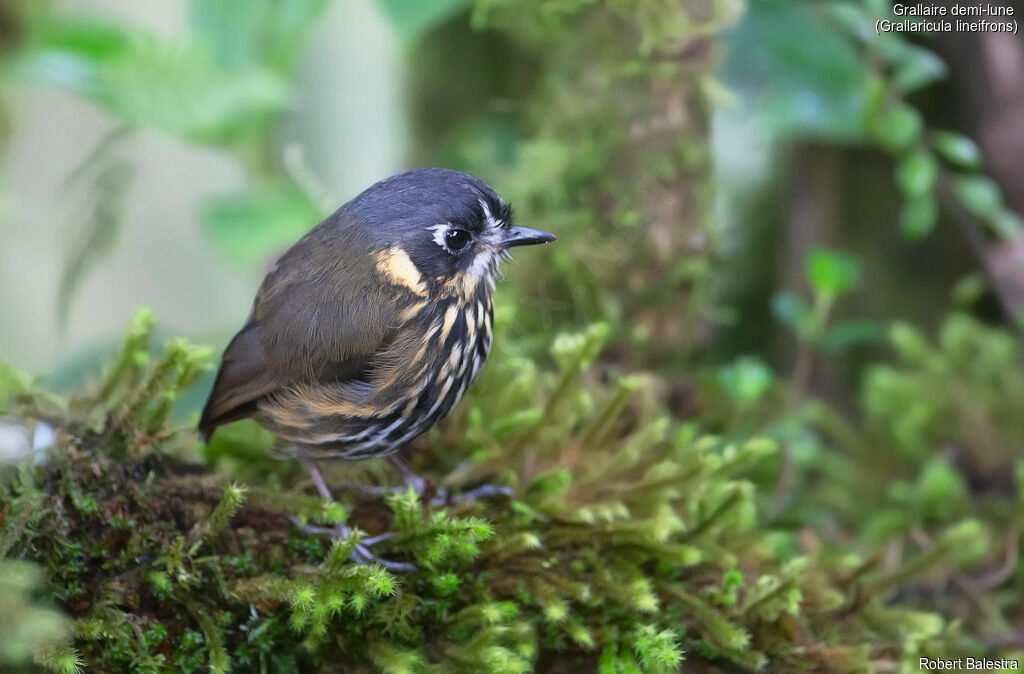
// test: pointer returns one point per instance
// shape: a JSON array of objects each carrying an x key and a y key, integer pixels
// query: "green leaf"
[
  {"x": 832, "y": 273},
  {"x": 878, "y": 7},
  {"x": 916, "y": 69},
  {"x": 966, "y": 541},
  {"x": 897, "y": 127},
  {"x": 550, "y": 483},
  {"x": 746, "y": 380},
  {"x": 910, "y": 343},
  {"x": 176, "y": 87},
  {"x": 851, "y": 17},
  {"x": 12, "y": 384},
  {"x": 840, "y": 338},
  {"x": 917, "y": 174},
  {"x": 958, "y": 149},
  {"x": 1007, "y": 224},
  {"x": 980, "y": 196},
  {"x": 918, "y": 216},
  {"x": 517, "y": 422},
  {"x": 412, "y": 18},
  {"x": 791, "y": 311},
  {"x": 969, "y": 289},
  {"x": 797, "y": 71},
  {"x": 246, "y": 34},
  {"x": 251, "y": 227},
  {"x": 940, "y": 489}
]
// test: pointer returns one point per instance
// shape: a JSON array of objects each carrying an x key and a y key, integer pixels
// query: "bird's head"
[{"x": 440, "y": 227}]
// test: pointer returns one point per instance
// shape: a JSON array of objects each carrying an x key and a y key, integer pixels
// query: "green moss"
[{"x": 632, "y": 542}]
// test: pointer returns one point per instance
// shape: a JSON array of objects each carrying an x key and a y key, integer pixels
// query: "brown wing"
[
  {"x": 321, "y": 315},
  {"x": 241, "y": 381},
  {"x": 324, "y": 309}
]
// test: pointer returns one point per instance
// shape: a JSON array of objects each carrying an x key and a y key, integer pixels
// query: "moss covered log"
[{"x": 632, "y": 544}]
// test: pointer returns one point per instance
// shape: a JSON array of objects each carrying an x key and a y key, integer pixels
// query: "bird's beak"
[{"x": 526, "y": 236}]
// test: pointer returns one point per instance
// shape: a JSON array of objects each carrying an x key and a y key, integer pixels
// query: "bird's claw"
[
  {"x": 442, "y": 496},
  {"x": 361, "y": 553},
  {"x": 482, "y": 492}
]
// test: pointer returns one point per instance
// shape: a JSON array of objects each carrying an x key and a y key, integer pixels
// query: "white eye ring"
[{"x": 439, "y": 231}]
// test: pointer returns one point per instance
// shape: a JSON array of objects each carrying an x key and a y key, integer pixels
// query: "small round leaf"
[
  {"x": 917, "y": 174},
  {"x": 980, "y": 196},
  {"x": 917, "y": 219},
  {"x": 832, "y": 273},
  {"x": 897, "y": 127},
  {"x": 958, "y": 149}
]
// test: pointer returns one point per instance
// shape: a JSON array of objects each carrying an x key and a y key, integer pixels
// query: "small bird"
[{"x": 367, "y": 332}]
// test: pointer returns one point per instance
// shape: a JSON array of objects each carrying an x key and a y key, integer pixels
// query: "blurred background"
[
  {"x": 756, "y": 196},
  {"x": 748, "y": 192},
  {"x": 163, "y": 154},
  {"x": 156, "y": 154},
  {"x": 760, "y": 184}
]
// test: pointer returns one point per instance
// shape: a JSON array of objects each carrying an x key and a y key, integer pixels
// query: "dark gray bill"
[{"x": 526, "y": 236}]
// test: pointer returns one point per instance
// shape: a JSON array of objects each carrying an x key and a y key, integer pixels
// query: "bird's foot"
[
  {"x": 438, "y": 496},
  {"x": 361, "y": 553},
  {"x": 481, "y": 493},
  {"x": 441, "y": 496}
]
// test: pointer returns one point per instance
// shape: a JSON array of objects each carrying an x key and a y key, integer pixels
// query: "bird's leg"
[
  {"x": 361, "y": 552},
  {"x": 409, "y": 478},
  {"x": 482, "y": 493},
  {"x": 442, "y": 495},
  {"x": 318, "y": 481}
]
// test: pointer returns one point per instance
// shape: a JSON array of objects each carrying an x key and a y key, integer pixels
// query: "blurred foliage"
[
  {"x": 30, "y": 630},
  {"x": 412, "y": 19},
  {"x": 726, "y": 513},
  {"x": 820, "y": 70},
  {"x": 225, "y": 85},
  {"x": 615, "y": 161}
]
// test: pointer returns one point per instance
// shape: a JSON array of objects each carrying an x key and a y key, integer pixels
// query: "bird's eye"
[{"x": 456, "y": 239}]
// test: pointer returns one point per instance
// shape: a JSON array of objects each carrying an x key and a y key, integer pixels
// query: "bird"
[{"x": 369, "y": 330}]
